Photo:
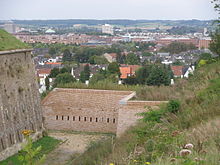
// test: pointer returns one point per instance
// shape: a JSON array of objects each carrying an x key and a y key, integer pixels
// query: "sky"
[{"x": 107, "y": 9}]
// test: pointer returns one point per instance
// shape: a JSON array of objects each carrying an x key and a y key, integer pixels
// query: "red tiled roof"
[
  {"x": 177, "y": 70},
  {"x": 125, "y": 71},
  {"x": 43, "y": 71},
  {"x": 53, "y": 63}
]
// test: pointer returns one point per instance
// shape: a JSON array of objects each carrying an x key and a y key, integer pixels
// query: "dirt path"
[{"x": 72, "y": 144}]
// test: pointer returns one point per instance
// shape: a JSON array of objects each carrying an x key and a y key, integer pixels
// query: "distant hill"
[{"x": 122, "y": 22}]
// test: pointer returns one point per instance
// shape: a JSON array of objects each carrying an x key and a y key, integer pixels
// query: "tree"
[
  {"x": 85, "y": 74},
  {"x": 52, "y": 51},
  {"x": 64, "y": 78},
  {"x": 47, "y": 83},
  {"x": 158, "y": 77},
  {"x": 131, "y": 80},
  {"x": 54, "y": 72},
  {"x": 143, "y": 73},
  {"x": 132, "y": 59},
  {"x": 64, "y": 70},
  {"x": 113, "y": 68},
  {"x": 205, "y": 56},
  {"x": 97, "y": 77},
  {"x": 120, "y": 58},
  {"x": 67, "y": 56}
]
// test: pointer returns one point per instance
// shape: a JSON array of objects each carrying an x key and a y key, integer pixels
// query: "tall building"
[
  {"x": 108, "y": 29},
  {"x": 10, "y": 27}
]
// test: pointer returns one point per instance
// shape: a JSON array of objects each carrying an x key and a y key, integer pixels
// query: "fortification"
[
  {"x": 90, "y": 110},
  {"x": 19, "y": 100}
]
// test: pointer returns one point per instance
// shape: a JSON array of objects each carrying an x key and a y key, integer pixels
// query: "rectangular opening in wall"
[
  {"x": 68, "y": 118},
  {"x": 107, "y": 120},
  {"x": 79, "y": 118},
  {"x": 2, "y": 144},
  {"x": 84, "y": 118},
  {"x": 73, "y": 118},
  {"x": 96, "y": 119},
  {"x": 11, "y": 140},
  {"x": 62, "y": 117},
  {"x": 57, "y": 117},
  {"x": 19, "y": 137},
  {"x": 113, "y": 120},
  {"x": 90, "y": 119}
]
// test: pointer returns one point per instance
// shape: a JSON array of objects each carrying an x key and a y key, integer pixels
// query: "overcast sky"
[{"x": 107, "y": 9}]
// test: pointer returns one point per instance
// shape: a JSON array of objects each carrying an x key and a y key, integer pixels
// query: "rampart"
[{"x": 19, "y": 100}]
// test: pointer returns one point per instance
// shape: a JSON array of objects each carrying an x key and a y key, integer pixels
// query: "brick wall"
[
  {"x": 19, "y": 100},
  {"x": 92, "y": 110}
]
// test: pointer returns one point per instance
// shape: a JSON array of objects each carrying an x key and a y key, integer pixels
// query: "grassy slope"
[
  {"x": 9, "y": 42},
  {"x": 47, "y": 143},
  {"x": 197, "y": 122}
]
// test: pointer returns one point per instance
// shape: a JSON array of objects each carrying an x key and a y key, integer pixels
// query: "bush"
[{"x": 173, "y": 106}]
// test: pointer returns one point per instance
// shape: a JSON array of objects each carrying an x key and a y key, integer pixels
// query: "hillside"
[
  {"x": 9, "y": 42},
  {"x": 193, "y": 117}
]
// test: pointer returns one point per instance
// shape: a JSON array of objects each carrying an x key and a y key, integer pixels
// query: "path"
[{"x": 72, "y": 144}]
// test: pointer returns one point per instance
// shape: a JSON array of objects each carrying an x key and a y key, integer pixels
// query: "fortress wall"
[{"x": 19, "y": 100}]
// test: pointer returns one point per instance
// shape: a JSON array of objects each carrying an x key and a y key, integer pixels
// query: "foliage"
[
  {"x": 178, "y": 47},
  {"x": 131, "y": 80},
  {"x": 98, "y": 60},
  {"x": 113, "y": 68},
  {"x": 28, "y": 154},
  {"x": 9, "y": 42},
  {"x": 54, "y": 72},
  {"x": 143, "y": 73},
  {"x": 132, "y": 59},
  {"x": 64, "y": 78},
  {"x": 97, "y": 77},
  {"x": 158, "y": 77},
  {"x": 173, "y": 106},
  {"x": 47, "y": 145},
  {"x": 85, "y": 74},
  {"x": 67, "y": 56}
]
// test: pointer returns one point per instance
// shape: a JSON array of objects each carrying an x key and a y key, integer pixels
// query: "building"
[
  {"x": 10, "y": 27},
  {"x": 88, "y": 110},
  {"x": 128, "y": 70},
  {"x": 111, "y": 57},
  {"x": 182, "y": 71},
  {"x": 108, "y": 29},
  {"x": 204, "y": 43}
]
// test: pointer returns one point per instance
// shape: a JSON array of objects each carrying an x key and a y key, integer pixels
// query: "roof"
[
  {"x": 43, "y": 71},
  {"x": 53, "y": 63},
  {"x": 9, "y": 42},
  {"x": 177, "y": 70},
  {"x": 125, "y": 71}
]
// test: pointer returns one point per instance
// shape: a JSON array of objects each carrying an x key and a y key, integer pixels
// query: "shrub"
[{"x": 173, "y": 106}]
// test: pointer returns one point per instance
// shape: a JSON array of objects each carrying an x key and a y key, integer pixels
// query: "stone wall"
[
  {"x": 19, "y": 100},
  {"x": 82, "y": 110},
  {"x": 90, "y": 110}
]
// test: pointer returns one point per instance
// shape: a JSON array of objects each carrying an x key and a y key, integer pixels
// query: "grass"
[
  {"x": 9, "y": 42},
  {"x": 48, "y": 144},
  {"x": 163, "y": 133}
]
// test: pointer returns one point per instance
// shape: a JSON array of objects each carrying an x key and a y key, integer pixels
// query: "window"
[
  {"x": 11, "y": 140},
  {"x": 57, "y": 117},
  {"x": 19, "y": 137},
  {"x": 73, "y": 118},
  {"x": 113, "y": 120},
  {"x": 62, "y": 117},
  {"x": 84, "y": 118},
  {"x": 68, "y": 118},
  {"x": 96, "y": 119},
  {"x": 79, "y": 118},
  {"x": 90, "y": 119},
  {"x": 107, "y": 120}
]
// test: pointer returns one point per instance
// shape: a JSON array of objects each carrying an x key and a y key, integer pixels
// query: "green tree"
[
  {"x": 67, "y": 56},
  {"x": 47, "y": 83},
  {"x": 158, "y": 77},
  {"x": 64, "y": 70},
  {"x": 132, "y": 59},
  {"x": 85, "y": 74},
  {"x": 113, "y": 68},
  {"x": 143, "y": 73},
  {"x": 54, "y": 72},
  {"x": 64, "y": 78},
  {"x": 52, "y": 51},
  {"x": 97, "y": 77}
]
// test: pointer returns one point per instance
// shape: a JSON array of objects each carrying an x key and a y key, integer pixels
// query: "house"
[
  {"x": 111, "y": 57},
  {"x": 128, "y": 70},
  {"x": 182, "y": 71},
  {"x": 42, "y": 74}
]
